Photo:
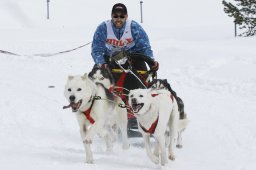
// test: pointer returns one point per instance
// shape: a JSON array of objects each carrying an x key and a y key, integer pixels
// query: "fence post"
[
  {"x": 235, "y": 30},
  {"x": 141, "y": 18},
  {"x": 48, "y": 12}
]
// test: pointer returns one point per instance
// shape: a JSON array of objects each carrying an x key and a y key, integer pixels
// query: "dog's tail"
[{"x": 183, "y": 123}]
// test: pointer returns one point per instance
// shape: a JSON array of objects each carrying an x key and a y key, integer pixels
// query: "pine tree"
[{"x": 244, "y": 14}]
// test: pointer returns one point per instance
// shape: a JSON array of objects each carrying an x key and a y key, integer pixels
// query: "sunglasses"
[{"x": 119, "y": 16}]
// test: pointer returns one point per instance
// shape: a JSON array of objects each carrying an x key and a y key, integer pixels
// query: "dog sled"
[{"x": 129, "y": 71}]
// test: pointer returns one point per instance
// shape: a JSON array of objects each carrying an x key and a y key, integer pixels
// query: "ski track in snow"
[{"x": 199, "y": 76}]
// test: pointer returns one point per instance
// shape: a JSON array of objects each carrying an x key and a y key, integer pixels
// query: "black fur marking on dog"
[
  {"x": 109, "y": 95},
  {"x": 168, "y": 87},
  {"x": 106, "y": 73}
]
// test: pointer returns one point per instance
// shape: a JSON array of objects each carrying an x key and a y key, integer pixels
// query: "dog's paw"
[
  {"x": 155, "y": 159},
  {"x": 164, "y": 160},
  {"x": 163, "y": 163},
  {"x": 179, "y": 146},
  {"x": 172, "y": 157}
]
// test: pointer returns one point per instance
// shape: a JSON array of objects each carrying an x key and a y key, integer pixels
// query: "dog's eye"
[
  {"x": 131, "y": 95},
  {"x": 69, "y": 89},
  {"x": 79, "y": 89},
  {"x": 141, "y": 95},
  {"x": 102, "y": 78}
]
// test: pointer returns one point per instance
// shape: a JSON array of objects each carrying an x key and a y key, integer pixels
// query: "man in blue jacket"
[{"x": 118, "y": 34}]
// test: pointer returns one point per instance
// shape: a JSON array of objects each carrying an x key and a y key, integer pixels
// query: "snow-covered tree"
[{"x": 244, "y": 14}]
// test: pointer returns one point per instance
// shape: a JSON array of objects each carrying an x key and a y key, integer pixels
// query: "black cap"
[{"x": 119, "y": 7}]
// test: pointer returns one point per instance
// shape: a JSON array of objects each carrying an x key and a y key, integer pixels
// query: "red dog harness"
[
  {"x": 87, "y": 113},
  {"x": 152, "y": 128}
]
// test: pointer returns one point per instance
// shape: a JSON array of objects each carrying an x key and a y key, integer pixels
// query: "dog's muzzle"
[
  {"x": 74, "y": 106},
  {"x": 135, "y": 105}
]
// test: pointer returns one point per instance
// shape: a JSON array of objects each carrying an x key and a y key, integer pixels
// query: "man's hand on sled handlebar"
[
  {"x": 155, "y": 66},
  {"x": 104, "y": 66}
]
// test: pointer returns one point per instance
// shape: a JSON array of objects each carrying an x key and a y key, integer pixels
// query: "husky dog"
[
  {"x": 156, "y": 113},
  {"x": 159, "y": 84},
  {"x": 95, "y": 110}
]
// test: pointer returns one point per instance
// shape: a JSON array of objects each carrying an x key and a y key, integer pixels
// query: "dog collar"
[{"x": 152, "y": 128}]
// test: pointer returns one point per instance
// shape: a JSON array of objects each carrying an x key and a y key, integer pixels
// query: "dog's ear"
[
  {"x": 70, "y": 77},
  {"x": 165, "y": 82}
]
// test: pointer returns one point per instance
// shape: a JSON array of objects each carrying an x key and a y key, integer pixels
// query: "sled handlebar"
[
  {"x": 148, "y": 60},
  {"x": 135, "y": 56},
  {"x": 122, "y": 56},
  {"x": 138, "y": 56}
]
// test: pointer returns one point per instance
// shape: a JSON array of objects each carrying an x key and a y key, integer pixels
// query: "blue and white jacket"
[{"x": 137, "y": 43}]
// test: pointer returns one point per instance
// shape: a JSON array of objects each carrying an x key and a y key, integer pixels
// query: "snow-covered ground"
[{"x": 213, "y": 72}]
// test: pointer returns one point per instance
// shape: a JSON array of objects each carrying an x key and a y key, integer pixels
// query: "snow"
[{"x": 210, "y": 69}]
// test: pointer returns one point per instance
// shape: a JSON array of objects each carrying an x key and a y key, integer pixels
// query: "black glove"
[
  {"x": 155, "y": 66},
  {"x": 104, "y": 66}
]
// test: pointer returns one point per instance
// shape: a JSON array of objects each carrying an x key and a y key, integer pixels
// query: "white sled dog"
[
  {"x": 156, "y": 86},
  {"x": 156, "y": 113},
  {"x": 94, "y": 108}
]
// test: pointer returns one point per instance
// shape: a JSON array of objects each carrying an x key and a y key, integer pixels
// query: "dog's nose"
[
  {"x": 72, "y": 98},
  {"x": 134, "y": 100}
]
